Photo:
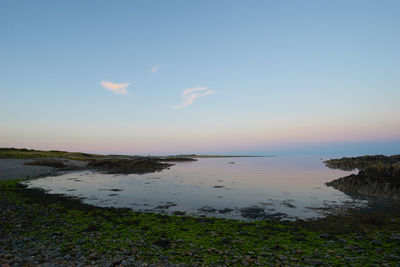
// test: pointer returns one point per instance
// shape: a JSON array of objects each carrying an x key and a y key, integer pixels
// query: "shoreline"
[
  {"x": 171, "y": 239},
  {"x": 62, "y": 230}
]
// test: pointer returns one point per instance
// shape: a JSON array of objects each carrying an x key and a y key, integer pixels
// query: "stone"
[{"x": 324, "y": 235}]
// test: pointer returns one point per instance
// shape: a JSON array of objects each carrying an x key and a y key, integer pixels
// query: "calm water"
[{"x": 285, "y": 187}]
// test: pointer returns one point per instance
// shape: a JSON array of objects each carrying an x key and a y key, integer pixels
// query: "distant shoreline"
[
  {"x": 225, "y": 156},
  {"x": 18, "y": 153}
]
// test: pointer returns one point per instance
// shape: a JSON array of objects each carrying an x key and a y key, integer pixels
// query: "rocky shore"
[
  {"x": 361, "y": 163},
  {"x": 38, "y": 229},
  {"x": 29, "y": 163},
  {"x": 366, "y": 184},
  {"x": 379, "y": 176},
  {"x": 127, "y": 166}
]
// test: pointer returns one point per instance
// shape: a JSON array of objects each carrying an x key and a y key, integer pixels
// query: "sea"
[{"x": 240, "y": 188}]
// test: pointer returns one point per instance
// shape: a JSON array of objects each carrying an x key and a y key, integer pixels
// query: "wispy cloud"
[
  {"x": 191, "y": 94},
  {"x": 155, "y": 68},
  {"x": 118, "y": 88}
]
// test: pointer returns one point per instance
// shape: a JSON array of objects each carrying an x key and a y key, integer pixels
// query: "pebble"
[
  {"x": 324, "y": 235},
  {"x": 282, "y": 257},
  {"x": 314, "y": 262},
  {"x": 376, "y": 242},
  {"x": 394, "y": 257},
  {"x": 395, "y": 237}
]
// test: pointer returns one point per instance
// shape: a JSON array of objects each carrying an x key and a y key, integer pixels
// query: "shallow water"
[{"x": 281, "y": 187}]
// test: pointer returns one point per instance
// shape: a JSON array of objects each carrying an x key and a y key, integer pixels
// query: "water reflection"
[{"x": 249, "y": 188}]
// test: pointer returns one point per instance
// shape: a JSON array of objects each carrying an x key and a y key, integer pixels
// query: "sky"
[{"x": 204, "y": 77}]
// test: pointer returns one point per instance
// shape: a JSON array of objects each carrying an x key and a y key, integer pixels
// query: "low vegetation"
[{"x": 14, "y": 153}]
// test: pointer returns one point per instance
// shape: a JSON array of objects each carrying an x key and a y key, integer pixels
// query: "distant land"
[
  {"x": 14, "y": 153},
  {"x": 222, "y": 156}
]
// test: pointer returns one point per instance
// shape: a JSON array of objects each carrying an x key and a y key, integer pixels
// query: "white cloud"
[
  {"x": 118, "y": 88},
  {"x": 191, "y": 94},
  {"x": 155, "y": 68}
]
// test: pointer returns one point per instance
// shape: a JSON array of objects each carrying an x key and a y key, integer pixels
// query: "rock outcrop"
[
  {"x": 361, "y": 163},
  {"x": 127, "y": 166},
  {"x": 380, "y": 180}
]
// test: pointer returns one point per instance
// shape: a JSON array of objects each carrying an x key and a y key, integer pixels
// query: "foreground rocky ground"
[{"x": 37, "y": 229}]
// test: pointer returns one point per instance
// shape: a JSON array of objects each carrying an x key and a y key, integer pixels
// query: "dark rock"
[
  {"x": 117, "y": 261},
  {"x": 207, "y": 209},
  {"x": 179, "y": 213},
  {"x": 394, "y": 257},
  {"x": 395, "y": 237},
  {"x": 373, "y": 182},
  {"x": 94, "y": 256},
  {"x": 177, "y": 158},
  {"x": 225, "y": 210},
  {"x": 361, "y": 163},
  {"x": 126, "y": 166},
  {"x": 314, "y": 262},
  {"x": 166, "y": 206},
  {"x": 163, "y": 242},
  {"x": 252, "y": 212}
]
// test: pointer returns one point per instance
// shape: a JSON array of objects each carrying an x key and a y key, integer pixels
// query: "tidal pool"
[{"x": 236, "y": 188}]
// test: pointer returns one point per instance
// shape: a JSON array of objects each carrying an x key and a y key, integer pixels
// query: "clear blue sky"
[{"x": 164, "y": 77}]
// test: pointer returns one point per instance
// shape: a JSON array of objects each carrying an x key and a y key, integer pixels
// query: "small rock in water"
[
  {"x": 252, "y": 212},
  {"x": 207, "y": 209},
  {"x": 225, "y": 210}
]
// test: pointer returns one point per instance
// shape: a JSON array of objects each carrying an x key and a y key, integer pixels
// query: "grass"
[
  {"x": 13, "y": 153},
  {"x": 185, "y": 239}
]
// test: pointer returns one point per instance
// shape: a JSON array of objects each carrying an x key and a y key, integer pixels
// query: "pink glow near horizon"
[{"x": 206, "y": 141}]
